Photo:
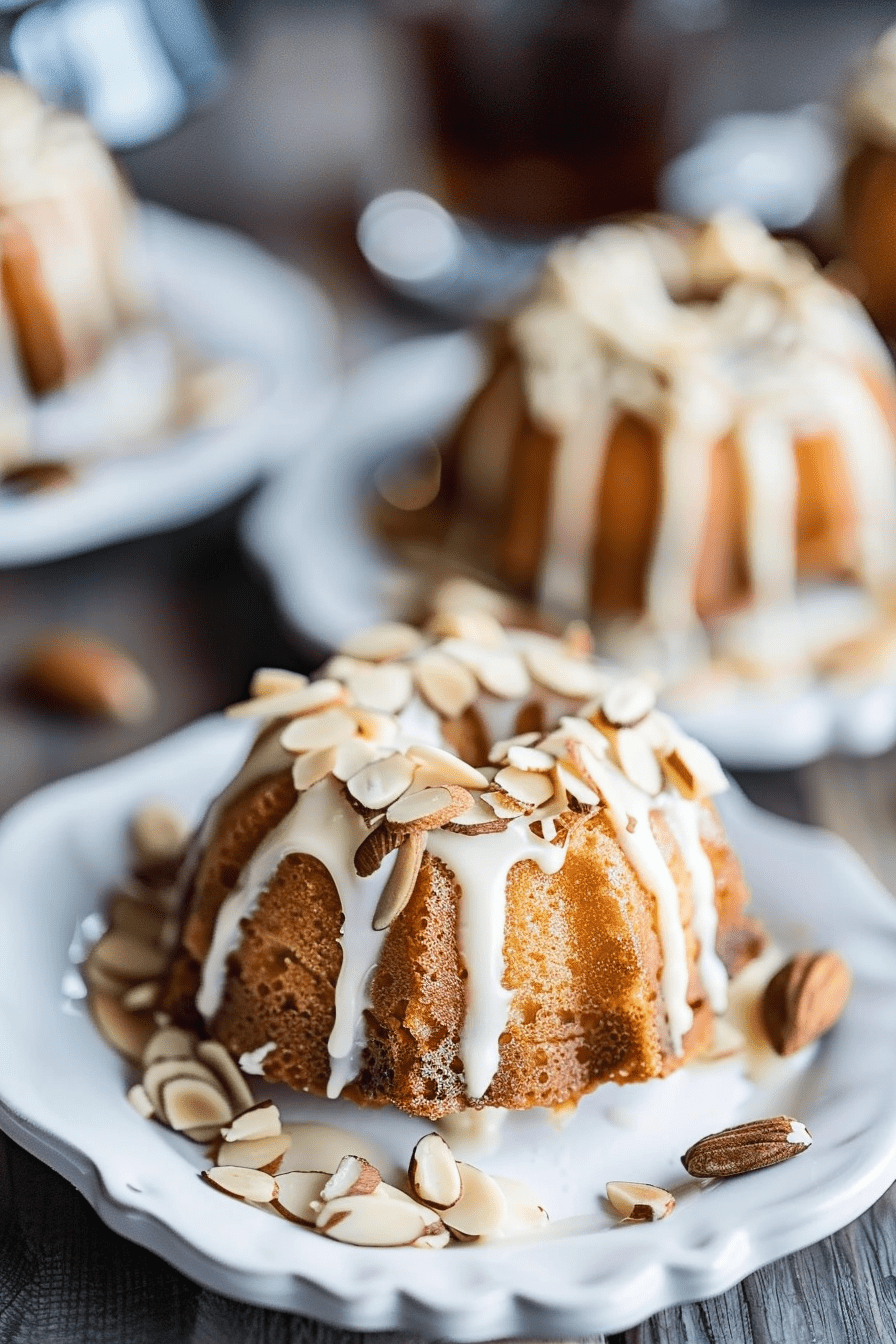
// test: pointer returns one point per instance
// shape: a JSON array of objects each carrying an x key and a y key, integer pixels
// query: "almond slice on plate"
[
  {"x": 261, "y": 1121},
  {"x": 639, "y": 1203},
  {"x": 353, "y": 1176},
  {"x": 188, "y": 1103},
  {"x": 627, "y": 702},
  {"x": 163, "y": 1071},
  {"x": 137, "y": 918},
  {"x": 435, "y": 766},
  {"x": 297, "y": 1191},
  {"x": 169, "y": 1043},
  {"x": 313, "y": 766},
  {"x": 401, "y": 881},
  {"x": 749, "y": 1147},
  {"x": 125, "y": 1032},
  {"x": 376, "y": 644},
  {"x": 525, "y": 786},
  {"x": 364, "y": 1221},
  {"x": 255, "y": 1187},
  {"x": 275, "y": 681},
  {"x": 221, "y": 1063},
  {"x": 382, "y": 687},
  {"x": 140, "y": 998},
  {"x": 481, "y": 1207},
  {"x": 140, "y": 1101},
  {"x": 158, "y": 832},
  {"x": 478, "y": 627},
  {"x": 308, "y": 698},
  {"x": 263, "y": 1154},
  {"x": 433, "y": 1173},
  {"x": 429, "y": 808},
  {"x": 445, "y": 684},
  {"x": 315, "y": 732},
  {"x": 377, "y": 785},
  {"x": 131, "y": 958}
]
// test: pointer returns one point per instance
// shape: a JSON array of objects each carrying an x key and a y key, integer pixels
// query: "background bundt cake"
[
  {"x": 681, "y": 424},
  {"x": 368, "y": 914}
]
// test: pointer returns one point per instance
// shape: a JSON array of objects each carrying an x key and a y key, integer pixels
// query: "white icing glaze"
[
  {"x": 684, "y": 821},
  {"x": 252, "y": 1061}
]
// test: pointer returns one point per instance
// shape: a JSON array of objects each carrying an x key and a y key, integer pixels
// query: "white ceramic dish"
[
  {"x": 62, "y": 1095},
  {"x": 230, "y": 300},
  {"x": 308, "y": 531}
]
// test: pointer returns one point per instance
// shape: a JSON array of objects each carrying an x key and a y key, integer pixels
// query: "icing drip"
[
  {"x": 770, "y": 466},
  {"x": 481, "y": 865},
  {"x": 684, "y": 820}
]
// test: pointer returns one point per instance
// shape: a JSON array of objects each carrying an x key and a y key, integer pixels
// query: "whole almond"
[
  {"x": 749, "y": 1147},
  {"x": 30, "y": 478},
  {"x": 81, "y": 674},
  {"x": 804, "y": 1000}
]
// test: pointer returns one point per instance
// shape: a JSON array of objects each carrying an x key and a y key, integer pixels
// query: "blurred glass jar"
[{"x": 543, "y": 114}]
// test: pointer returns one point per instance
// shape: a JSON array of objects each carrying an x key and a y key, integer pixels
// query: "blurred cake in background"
[
  {"x": 869, "y": 185},
  {"x": 679, "y": 429}
]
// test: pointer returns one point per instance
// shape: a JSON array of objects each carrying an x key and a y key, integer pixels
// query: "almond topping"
[
  {"x": 743, "y": 1148},
  {"x": 169, "y": 1043},
  {"x": 381, "y": 783},
  {"x": 314, "y": 766},
  {"x": 163, "y": 1071},
  {"x": 262, "y": 1154},
  {"x": 433, "y": 1173},
  {"x": 139, "y": 919},
  {"x": 140, "y": 1101},
  {"x": 693, "y": 770},
  {"x": 353, "y": 1176},
  {"x": 305, "y": 699},
  {"x": 498, "y": 752},
  {"x": 373, "y": 849},
  {"x": 378, "y": 643},
  {"x": 364, "y": 1221},
  {"x": 188, "y": 1102},
  {"x": 430, "y": 808},
  {"x": 480, "y": 819},
  {"x": 158, "y": 833},
  {"x": 257, "y": 1187},
  {"x": 315, "y": 732},
  {"x": 636, "y": 758},
  {"x": 401, "y": 881},
  {"x": 275, "y": 681},
  {"x": 505, "y": 807},
  {"x": 525, "y": 786},
  {"x": 125, "y": 1032},
  {"x": 499, "y": 671},
  {"x": 554, "y": 669},
  {"x": 219, "y": 1060},
  {"x": 384, "y": 687},
  {"x": 445, "y": 684},
  {"x": 297, "y": 1192},
  {"x": 258, "y": 1122},
  {"x": 640, "y": 1203},
  {"x": 575, "y": 787},
  {"x": 373, "y": 727},
  {"x": 478, "y": 627},
  {"x": 628, "y": 702},
  {"x": 129, "y": 957},
  {"x": 804, "y": 1000},
  {"x": 352, "y": 756},
  {"x": 529, "y": 758},
  {"x": 140, "y": 998},
  {"x": 481, "y": 1207},
  {"x": 436, "y": 766},
  {"x": 578, "y": 640}
]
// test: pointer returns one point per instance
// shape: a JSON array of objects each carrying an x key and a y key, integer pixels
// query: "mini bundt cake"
[
  {"x": 463, "y": 869},
  {"x": 682, "y": 423}
]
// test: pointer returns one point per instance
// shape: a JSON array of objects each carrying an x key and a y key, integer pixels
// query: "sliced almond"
[
  {"x": 429, "y": 808},
  {"x": 263, "y": 1154},
  {"x": 433, "y": 1241},
  {"x": 526, "y": 786},
  {"x": 661, "y": 732},
  {"x": 163, "y": 1071},
  {"x": 352, "y": 756},
  {"x": 581, "y": 730},
  {"x": 574, "y": 678},
  {"x": 380, "y": 729},
  {"x": 312, "y": 767},
  {"x": 482, "y": 1205},
  {"x": 376, "y": 644},
  {"x": 353, "y": 1176},
  {"x": 362, "y": 1221},
  {"x": 188, "y": 1102},
  {"x": 131, "y": 958},
  {"x": 381, "y": 783},
  {"x": 480, "y": 819},
  {"x": 436, "y": 767},
  {"x": 373, "y": 849},
  {"x": 139, "y": 919},
  {"x": 305, "y": 699},
  {"x": 140, "y": 1101},
  {"x": 499, "y": 671},
  {"x": 578, "y": 641},
  {"x": 383, "y": 687},
  {"x": 275, "y": 681},
  {"x": 529, "y": 758},
  {"x": 261, "y": 1121},
  {"x": 140, "y": 998},
  {"x": 169, "y": 1043},
  {"x": 498, "y": 752},
  {"x": 640, "y": 1203},
  {"x": 638, "y": 763},
  {"x": 445, "y": 684},
  {"x": 98, "y": 978},
  {"x": 433, "y": 1173},
  {"x": 401, "y": 881},
  {"x": 256, "y": 1187},
  {"x": 627, "y": 702},
  {"x": 315, "y": 732},
  {"x": 321, "y": 1147},
  {"x": 296, "y": 1192},
  {"x": 694, "y": 770},
  {"x": 127, "y": 1032},
  {"x": 505, "y": 807},
  {"x": 158, "y": 832},
  {"x": 569, "y": 781},
  {"x": 221, "y": 1063},
  {"x": 479, "y": 627}
]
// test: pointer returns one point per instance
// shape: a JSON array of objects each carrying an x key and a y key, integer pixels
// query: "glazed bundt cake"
[
  {"x": 462, "y": 869},
  {"x": 682, "y": 423}
]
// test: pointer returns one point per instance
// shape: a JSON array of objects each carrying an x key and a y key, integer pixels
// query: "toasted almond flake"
[
  {"x": 726, "y": 1041},
  {"x": 275, "y": 681},
  {"x": 627, "y": 702},
  {"x": 383, "y": 687},
  {"x": 433, "y": 1241},
  {"x": 498, "y": 752},
  {"x": 529, "y": 758},
  {"x": 638, "y": 763},
  {"x": 640, "y": 1203},
  {"x": 374, "y": 847},
  {"x": 381, "y": 783},
  {"x": 163, "y": 1071},
  {"x": 297, "y": 1191},
  {"x": 315, "y": 732},
  {"x": 480, "y": 819},
  {"x": 693, "y": 770},
  {"x": 479, "y": 627},
  {"x": 525, "y": 786},
  {"x": 308, "y": 699},
  {"x": 380, "y": 729},
  {"x": 158, "y": 832},
  {"x": 401, "y": 881},
  {"x": 169, "y": 1043},
  {"x": 661, "y": 732},
  {"x": 352, "y": 756},
  {"x": 261, "y": 1121},
  {"x": 131, "y": 958},
  {"x": 554, "y": 669},
  {"x": 575, "y": 787},
  {"x": 583, "y": 763},
  {"x": 499, "y": 671},
  {"x": 578, "y": 640},
  {"x": 581, "y": 730},
  {"x": 482, "y": 1206},
  {"x": 141, "y": 997},
  {"x": 263, "y": 1154},
  {"x": 256, "y": 1187},
  {"x": 433, "y": 1173},
  {"x": 125, "y": 1032},
  {"x": 376, "y": 644},
  {"x": 445, "y": 684},
  {"x": 436, "y": 766},
  {"x": 188, "y": 1102},
  {"x": 504, "y": 806},
  {"x": 341, "y": 666},
  {"x": 140, "y": 1101},
  {"x": 221, "y": 1063},
  {"x": 353, "y": 1176},
  {"x": 362, "y": 1221},
  {"x": 101, "y": 980},
  {"x": 312, "y": 767},
  {"x": 429, "y": 808}
]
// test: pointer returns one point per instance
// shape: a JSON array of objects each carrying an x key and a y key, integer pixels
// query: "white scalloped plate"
[
  {"x": 230, "y": 300},
  {"x": 62, "y": 1095},
  {"x": 307, "y": 529}
]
